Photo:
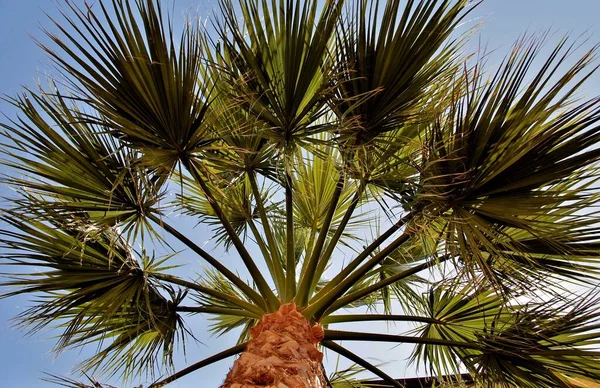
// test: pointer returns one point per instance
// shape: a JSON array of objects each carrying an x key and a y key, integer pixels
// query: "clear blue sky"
[{"x": 23, "y": 359}]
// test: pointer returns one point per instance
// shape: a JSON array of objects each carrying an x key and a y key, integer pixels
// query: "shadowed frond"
[
  {"x": 543, "y": 346},
  {"x": 243, "y": 145},
  {"x": 142, "y": 81},
  {"x": 532, "y": 345},
  {"x": 514, "y": 160},
  {"x": 144, "y": 338},
  {"x": 95, "y": 291},
  {"x": 391, "y": 56}
]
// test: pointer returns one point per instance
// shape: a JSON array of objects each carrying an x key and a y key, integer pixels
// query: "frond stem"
[
  {"x": 344, "y": 280},
  {"x": 338, "y": 233},
  {"x": 265, "y": 252},
  {"x": 343, "y": 318},
  {"x": 209, "y": 291},
  {"x": 306, "y": 281},
  {"x": 361, "y": 361},
  {"x": 201, "y": 364},
  {"x": 348, "y": 299},
  {"x": 245, "y": 288},
  {"x": 290, "y": 266},
  {"x": 273, "y": 247},
  {"x": 338, "y": 335},
  {"x": 365, "y": 253},
  {"x": 217, "y": 310},
  {"x": 265, "y": 290}
]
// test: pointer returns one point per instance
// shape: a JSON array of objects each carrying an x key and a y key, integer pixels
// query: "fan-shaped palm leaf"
[
  {"x": 78, "y": 170},
  {"x": 142, "y": 81},
  {"x": 458, "y": 313},
  {"x": 93, "y": 288},
  {"x": 392, "y": 56},
  {"x": 277, "y": 56},
  {"x": 517, "y": 146},
  {"x": 543, "y": 345}
]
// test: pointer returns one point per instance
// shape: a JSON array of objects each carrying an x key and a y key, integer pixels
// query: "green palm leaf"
[
  {"x": 78, "y": 170},
  {"x": 391, "y": 58},
  {"x": 544, "y": 344},
  {"x": 94, "y": 290},
  {"x": 231, "y": 319},
  {"x": 277, "y": 57},
  {"x": 71, "y": 383},
  {"x": 236, "y": 202},
  {"x": 142, "y": 82},
  {"x": 523, "y": 147},
  {"x": 459, "y": 313}
]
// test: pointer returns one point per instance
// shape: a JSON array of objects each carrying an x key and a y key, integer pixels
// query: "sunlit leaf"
[{"x": 77, "y": 170}]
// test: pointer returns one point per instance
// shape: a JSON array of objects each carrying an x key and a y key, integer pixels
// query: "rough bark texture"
[{"x": 282, "y": 354}]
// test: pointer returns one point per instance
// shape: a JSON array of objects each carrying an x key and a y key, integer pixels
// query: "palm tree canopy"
[{"x": 348, "y": 157}]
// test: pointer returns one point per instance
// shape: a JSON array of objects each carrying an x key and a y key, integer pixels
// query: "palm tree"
[{"x": 352, "y": 163}]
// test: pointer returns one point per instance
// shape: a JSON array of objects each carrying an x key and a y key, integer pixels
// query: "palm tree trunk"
[{"x": 281, "y": 354}]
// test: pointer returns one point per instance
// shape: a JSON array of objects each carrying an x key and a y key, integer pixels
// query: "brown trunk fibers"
[{"x": 281, "y": 354}]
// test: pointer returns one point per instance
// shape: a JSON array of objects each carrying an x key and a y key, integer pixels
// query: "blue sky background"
[{"x": 24, "y": 359}]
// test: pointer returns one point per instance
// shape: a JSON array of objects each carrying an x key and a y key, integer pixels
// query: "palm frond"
[
  {"x": 513, "y": 160},
  {"x": 459, "y": 313},
  {"x": 314, "y": 186},
  {"x": 225, "y": 322},
  {"x": 401, "y": 293},
  {"x": 143, "y": 341},
  {"x": 243, "y": 145},
  {"x": 277, "y": 54},
  {"x": 392, "y": 58},
  {"x": 345, "y": 378},
  {"x": 72, "y": 383},
  {"x": 94, "y": 290},
  {"x": 77, "y": 170},
  {"x": 236, "y": 200},
  {"x": 543, "y": 346},
  {"x": 143, "y": 82}
]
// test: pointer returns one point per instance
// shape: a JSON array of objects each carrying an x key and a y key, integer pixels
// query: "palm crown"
[{"x": 354, "y": 160}]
